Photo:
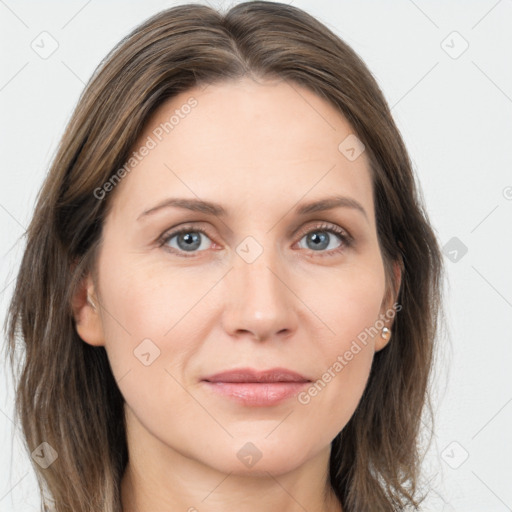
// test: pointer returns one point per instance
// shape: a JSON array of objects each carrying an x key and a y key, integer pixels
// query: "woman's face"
[{"x": 260, "y": 281}]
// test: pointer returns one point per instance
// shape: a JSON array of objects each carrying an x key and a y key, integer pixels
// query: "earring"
[{"x": 385, "y": 333}]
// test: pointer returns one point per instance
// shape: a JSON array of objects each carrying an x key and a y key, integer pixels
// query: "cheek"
[
  {"x": 146, "y": 320},
  {"x": 145, "y": 300},
  {"x": 136, "y": 311},
  {"x": 347, "y": 359},
  {"x": 150, "y": 312},
  {"x": 349, "y": 307},
  {"x": 333, "y": 398},
  {"x": 348, "y": 301}
]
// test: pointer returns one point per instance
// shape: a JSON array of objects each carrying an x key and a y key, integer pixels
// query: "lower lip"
[{"x": 257, "y": 394}]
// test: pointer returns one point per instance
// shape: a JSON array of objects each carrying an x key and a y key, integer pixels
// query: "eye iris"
[
  {"x": 323, "y": 239},
  {"x": 191, "y": 241}
]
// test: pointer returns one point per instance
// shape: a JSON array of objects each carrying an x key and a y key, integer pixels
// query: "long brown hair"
[{"x": 66, "y": 394}]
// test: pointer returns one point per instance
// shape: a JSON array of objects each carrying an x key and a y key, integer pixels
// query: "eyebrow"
[{"x": 210, "y": 208}]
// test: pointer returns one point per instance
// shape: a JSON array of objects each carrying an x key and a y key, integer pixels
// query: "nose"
[{"x": 259, "y": 303}]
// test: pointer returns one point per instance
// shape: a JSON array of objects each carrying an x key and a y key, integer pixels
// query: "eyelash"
[{"x": 345, "y": 238}]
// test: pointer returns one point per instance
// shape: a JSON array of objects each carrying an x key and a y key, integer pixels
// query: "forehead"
[{"x": 246, "y": 145}]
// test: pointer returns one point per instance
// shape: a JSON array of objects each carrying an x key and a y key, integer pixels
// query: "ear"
[
  {"x": 388, "y": 312},
  {"x": 85, "y": 306}
]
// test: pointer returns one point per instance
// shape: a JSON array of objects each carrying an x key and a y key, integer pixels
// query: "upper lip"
[{"x": 255, "y": 376}]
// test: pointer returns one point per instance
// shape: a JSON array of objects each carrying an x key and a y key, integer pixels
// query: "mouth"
[{"x": 256, "y": 388}]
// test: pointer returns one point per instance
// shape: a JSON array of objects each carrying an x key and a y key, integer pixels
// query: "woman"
[{"x": 230, "y": 290}]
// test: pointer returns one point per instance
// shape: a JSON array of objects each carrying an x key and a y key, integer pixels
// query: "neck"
[{"x": 284, "y": 493}]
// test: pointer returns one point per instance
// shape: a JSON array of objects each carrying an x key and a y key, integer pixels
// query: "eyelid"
[{"x": 324, "y": 226}]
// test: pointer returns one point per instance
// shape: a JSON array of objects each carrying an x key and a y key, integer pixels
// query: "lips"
[
  {"x": 250, "y": 375},
  {"x": 256, "y": 388}
]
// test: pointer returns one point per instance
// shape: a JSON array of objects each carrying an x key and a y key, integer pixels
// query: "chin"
[{"x": 261, "y": 456}]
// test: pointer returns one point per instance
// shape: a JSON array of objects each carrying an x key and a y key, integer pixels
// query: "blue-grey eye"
[
  {"x": 186, "y": 240},
  {"x": 320, "y": 240}
]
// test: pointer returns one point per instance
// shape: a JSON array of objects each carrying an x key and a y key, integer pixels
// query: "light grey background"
[{"x": 454, "y": 108}]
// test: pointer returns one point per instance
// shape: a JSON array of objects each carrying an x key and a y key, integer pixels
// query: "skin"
[{"x": 259, "y": 149}]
